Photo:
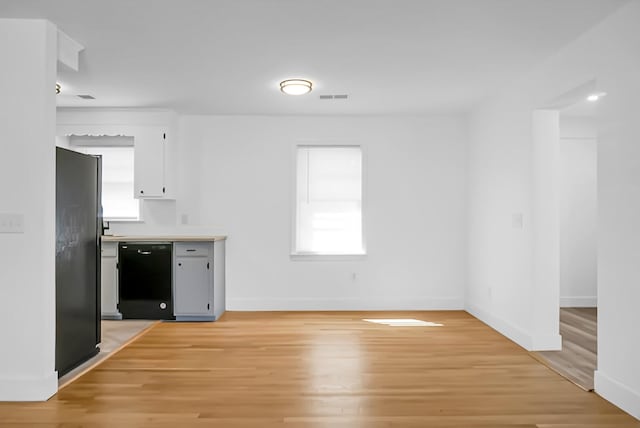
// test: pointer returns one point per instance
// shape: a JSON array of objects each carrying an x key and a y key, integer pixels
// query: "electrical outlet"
[{"x": 11, "y": 223}]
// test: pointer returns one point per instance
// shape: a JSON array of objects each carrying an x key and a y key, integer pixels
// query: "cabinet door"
[
  {"x": 109, "y": 277},
  {"x": 149, "y": 147},
  {"x": 192, "y": 286}
]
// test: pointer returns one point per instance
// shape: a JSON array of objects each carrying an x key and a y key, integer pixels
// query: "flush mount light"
[
  {"x": 58, "y": 88},
  {"x": 596, "y": 96},
  {"x": 295, "y": 86}
]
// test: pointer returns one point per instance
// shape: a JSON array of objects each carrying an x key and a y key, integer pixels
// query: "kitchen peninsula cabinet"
[{"x": 198, "y": 275}]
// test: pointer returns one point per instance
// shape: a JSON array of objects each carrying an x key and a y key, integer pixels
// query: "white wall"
[
  {"x": 578, "y": 221},
  {"x": 544, "y": 217},
  {"x": 27, "y": 186},
  {"x": 500, "y": 245},
  {"x": 237, "y": 178},
  {"x": 501, "y": 176}
]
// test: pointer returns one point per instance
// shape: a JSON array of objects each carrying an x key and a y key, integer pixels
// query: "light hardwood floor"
[
  {"x": 578, "y": 359},
  {"x": 115, "y": 334},
  {"x": 320, "y": 370}
]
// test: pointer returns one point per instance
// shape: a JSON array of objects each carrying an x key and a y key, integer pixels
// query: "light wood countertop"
[{"x": 162, "y": 238}]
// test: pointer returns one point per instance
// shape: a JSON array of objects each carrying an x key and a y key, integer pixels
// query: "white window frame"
[{"x": 296, "y": 255}]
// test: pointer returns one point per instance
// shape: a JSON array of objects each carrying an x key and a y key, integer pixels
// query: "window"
[
  {"x": 328, "y": 211},
  {"x": 118, "y": 202}
]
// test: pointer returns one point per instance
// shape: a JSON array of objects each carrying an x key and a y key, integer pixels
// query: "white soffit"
[{"x": 68, "y": 51}]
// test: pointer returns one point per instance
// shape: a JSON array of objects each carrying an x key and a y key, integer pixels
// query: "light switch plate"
[{"x": 11, "y": 223}]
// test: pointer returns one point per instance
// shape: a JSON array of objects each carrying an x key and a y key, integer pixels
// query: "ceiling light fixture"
[
  {"x": 58, "y": 88},
  {"x": 596, "y": 96},
  {"x": 296, "y": 86}
]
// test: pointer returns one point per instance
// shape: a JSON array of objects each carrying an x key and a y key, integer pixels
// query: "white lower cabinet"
[
  {"x": 193, "y": 298},
  {"x": 193, "y": 284},
  {"x": 109, "y": 281}
]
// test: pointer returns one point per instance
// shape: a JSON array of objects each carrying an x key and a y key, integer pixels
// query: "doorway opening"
[{"x": 577, "y": 230}]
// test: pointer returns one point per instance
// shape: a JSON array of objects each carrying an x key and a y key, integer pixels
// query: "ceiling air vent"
[
  {"x": 334, "y": 97},
  {"x": 86, "y": 97}
]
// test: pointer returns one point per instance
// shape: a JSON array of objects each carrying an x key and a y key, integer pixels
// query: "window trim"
[
  {"x": 126, "y": 220},
  {"x": 139, "y": 218},
  {"x": 310, "y": 256}
]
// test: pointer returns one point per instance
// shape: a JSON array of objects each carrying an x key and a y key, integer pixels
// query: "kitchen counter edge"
[{"x": 161, "y": 238}]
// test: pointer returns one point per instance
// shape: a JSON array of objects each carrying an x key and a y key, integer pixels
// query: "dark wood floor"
[
  {"x": 578, "y": 359},
  {"x": 320, "y": 370}
]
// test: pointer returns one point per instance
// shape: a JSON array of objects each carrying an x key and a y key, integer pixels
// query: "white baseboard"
[
  {"x": 511, "y": 331},
  {"x": 515, "y": 333},
  {"x": 579, "y": 302},
  {"x": 28, "y": 389},
  {"x": 348, "y": 304},
  {"x": 617, "y": 393},
  {"x": 551, "y": 342}
]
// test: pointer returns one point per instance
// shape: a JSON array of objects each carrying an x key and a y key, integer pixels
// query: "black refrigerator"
[{"x": 78, "y": 232}]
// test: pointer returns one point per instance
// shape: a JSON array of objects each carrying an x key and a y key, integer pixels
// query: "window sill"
[
  {"x": 123, "y": 220},
  {"x": 327, "y": 257}
]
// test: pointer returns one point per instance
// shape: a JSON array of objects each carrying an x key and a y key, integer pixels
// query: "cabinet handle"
[
  {"x": 142, "y": 191},
  {"x": 190, "y": 250},
  {"x": 179, "y": 264}
]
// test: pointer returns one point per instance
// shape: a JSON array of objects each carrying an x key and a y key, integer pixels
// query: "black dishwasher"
[{"x": 144, "y": 280}]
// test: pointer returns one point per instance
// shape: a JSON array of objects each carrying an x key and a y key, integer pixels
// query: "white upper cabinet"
[
  {"x": 149, "y": 163},
  {"x": 152, "y": 133}
]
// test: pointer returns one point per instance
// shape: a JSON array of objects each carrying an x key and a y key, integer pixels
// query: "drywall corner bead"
[{"x": 69, "y": 51}]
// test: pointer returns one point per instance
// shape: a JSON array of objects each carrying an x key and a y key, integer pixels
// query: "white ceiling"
[
  {"x": 581, "y": 109},
  {"x": 227, "y": 56}
]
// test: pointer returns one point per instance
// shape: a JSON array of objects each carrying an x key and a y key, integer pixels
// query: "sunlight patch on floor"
[{"x": 403, "y": 322}]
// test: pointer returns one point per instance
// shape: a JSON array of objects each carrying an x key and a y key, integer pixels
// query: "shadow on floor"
[{"x": 578, "y": 358}]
